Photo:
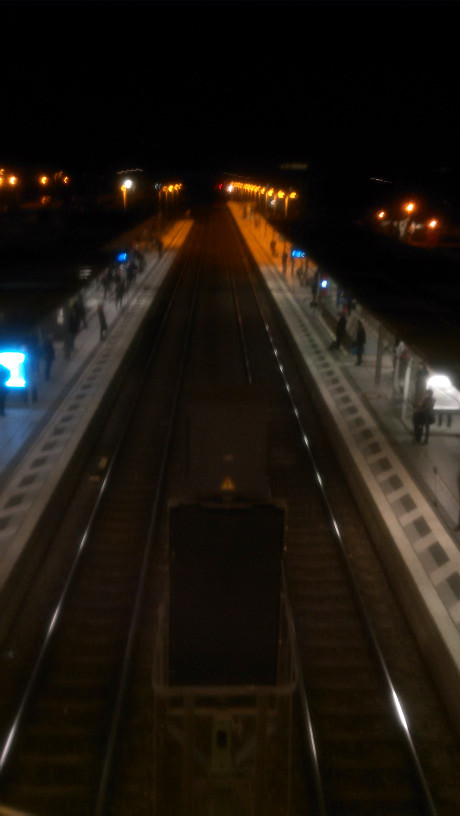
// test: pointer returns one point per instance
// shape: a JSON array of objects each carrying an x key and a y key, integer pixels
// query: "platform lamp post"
[
  {"x": 281, "y": 194},
  {"x": 409, "y": 208},
  {"x": 433, "y": 231},
  {"x": 268, "y": 195},
  {"x": 127, "y": 184},
  {"x": 286, "y": 202},
  {"x": 13, "y": 182}
]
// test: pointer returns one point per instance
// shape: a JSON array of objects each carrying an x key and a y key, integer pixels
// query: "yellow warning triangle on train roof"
[{"x": 227, "y": 484}]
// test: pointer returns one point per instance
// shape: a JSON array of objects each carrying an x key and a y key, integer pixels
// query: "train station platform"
[
  {"x": 39, "y": 439},
  {"x": 408, "y": 493}
]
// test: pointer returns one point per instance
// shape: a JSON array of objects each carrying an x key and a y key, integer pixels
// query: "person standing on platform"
[
  {"x": 119, "y": 292},
  {"x": 285, "y": 257},
  {"x": 315, "y": 289},
  {"x": 339, "y": 332},
  {"x": 428, "y": 415},
  {"x": 73, "y": 324},
  {"x": 80, "y": 310},
  {"x": 360, "y": 342},
  {"x": 102, "y": 321},
  {"x": 48, "y": 354},
  {"x": 423, "y": 417},
  {"x": 5, "y": 375}
]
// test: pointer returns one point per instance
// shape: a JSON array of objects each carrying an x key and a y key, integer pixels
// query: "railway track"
[{"x": 82, "y": 739}]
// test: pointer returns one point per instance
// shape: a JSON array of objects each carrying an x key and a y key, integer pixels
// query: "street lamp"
[
  {"x": 286, "y": 202},
  {"x": 268, "y": 195},
  {"x": 127, "y": 184}
]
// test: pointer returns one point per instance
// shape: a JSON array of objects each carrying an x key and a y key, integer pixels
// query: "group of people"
[
  {"x": 118, "y": 277},
  {"x": 359, "y": 341},
  {"x": 423, "y": 414}
]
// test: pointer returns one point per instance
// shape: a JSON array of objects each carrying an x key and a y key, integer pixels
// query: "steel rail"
[
  {"x": 393, "y": 695},
  {"x": 307, "y": 723},
  {"x": 13, "y": 730},
  {"x": 121, "y": 691},
  {"x": 244, "y": 346}
]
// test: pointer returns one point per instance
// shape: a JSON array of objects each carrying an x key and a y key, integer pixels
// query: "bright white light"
[
  {"x": 439, "y": 381},
  {"x": 14, "y": 360},
  {"x": 230, "y": 188},
  {"x": 400, "y": 711}
]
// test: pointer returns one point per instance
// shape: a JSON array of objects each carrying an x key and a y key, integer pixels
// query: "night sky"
[{"x": 231, "y": 86}]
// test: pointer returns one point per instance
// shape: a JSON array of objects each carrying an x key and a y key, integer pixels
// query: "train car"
[
  {"x": 224, "y": 593},
  {"x": 225, "y": 672}
]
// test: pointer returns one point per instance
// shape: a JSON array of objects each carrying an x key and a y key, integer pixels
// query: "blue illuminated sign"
[
  {"x": 298, "y": 253},
  {"x": 122, "y": 257},
  {"x": 14, "y": 361}
]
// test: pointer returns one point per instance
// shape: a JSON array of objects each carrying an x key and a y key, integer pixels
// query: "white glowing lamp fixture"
[
  {"x": 439, "y": 381},
  {"x": 14, "y": 360}
]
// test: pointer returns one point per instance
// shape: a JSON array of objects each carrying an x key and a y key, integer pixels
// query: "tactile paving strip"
[
  {"x": 33, "y": 482},
  {"x": 392, "y": 484}
]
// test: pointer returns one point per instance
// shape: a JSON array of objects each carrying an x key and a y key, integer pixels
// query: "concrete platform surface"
[{"x": 408, "y": 493}]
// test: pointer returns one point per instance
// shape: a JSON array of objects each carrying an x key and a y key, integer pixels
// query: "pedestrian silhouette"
[
  {"x": 423, "y": 417},
  {"x": 360, "y": 342},
  {"x": 285, "y": 257},
  {"x": 119, "y": 292},
  {"x": 48, "y": 354},
  {"x": 339, "y": 332},
  {"x": 102, "y": 321},
  {"x": 79, "y": 307}
]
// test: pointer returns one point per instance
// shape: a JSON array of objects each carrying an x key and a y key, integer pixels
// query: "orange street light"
[
  {"x": 268, "y": 195},
  {"x": 286, "y": 202},
  {"x": 381, "y": 214},
  {"x": 127, "y": 184},
  {"x": 433, "y": 223},
  {"x": 44, "y": 180},
  {"x": 410, "y": 207}
]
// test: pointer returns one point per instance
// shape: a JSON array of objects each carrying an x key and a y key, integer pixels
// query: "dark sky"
[{"x": 230, "y": 85}]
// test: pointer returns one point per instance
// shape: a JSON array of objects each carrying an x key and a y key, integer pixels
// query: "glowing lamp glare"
[{"x": 14, "y": 361}]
